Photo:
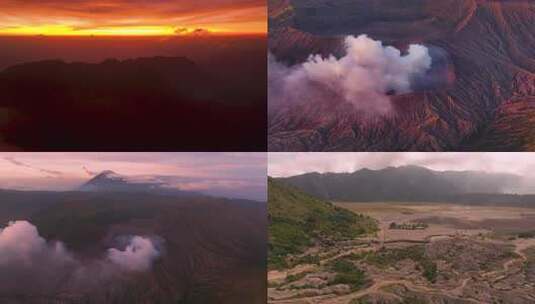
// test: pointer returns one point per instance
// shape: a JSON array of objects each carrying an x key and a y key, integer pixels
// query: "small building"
[{"x": 408, "y": 226}]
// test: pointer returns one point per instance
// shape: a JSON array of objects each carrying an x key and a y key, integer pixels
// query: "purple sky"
[{"x": 240, "y": 175}]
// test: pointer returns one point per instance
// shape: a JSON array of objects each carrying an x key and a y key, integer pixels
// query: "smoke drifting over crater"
[
  {"x": 363, "y": 77},
  {"x": 137, "y": 256},
  {"x": 20, "y": 243},
  {"x": 48, "y": 267}
]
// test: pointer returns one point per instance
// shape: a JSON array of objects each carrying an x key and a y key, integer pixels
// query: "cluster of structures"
[{"x": 408, "y": 226}]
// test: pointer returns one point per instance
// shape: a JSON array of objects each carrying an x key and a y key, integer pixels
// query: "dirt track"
[{"x": 504, "y": 272}]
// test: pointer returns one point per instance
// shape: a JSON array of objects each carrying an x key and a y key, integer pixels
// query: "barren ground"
[{"x": 475, "y": 251}]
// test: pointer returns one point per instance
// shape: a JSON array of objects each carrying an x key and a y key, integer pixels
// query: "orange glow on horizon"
[
  {"x": 62, "y": 30},
  {"x": 132, "y": 18}
]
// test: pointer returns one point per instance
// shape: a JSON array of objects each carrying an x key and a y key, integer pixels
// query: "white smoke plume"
[
  {"x": 20, "y": 243},
  {"x": 45, "y": 266},
  {"x": 137, "y": 256},
  {"x": 364, "y": 76},
  {"x": 27, "y": 257}
]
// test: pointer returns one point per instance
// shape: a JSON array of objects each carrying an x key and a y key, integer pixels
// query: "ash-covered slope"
[
  {"x": 488, "y": 102},
  {"x": 409, "y": 183}
]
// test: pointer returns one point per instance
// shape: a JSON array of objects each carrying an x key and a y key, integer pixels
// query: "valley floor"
[{"x": 466, "y": 254}]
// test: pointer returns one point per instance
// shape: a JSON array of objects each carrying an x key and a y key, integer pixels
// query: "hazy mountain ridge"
[{"x": 409, "y": 183}]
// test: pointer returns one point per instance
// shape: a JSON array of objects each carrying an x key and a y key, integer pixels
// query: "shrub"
[{"x": 347, "y": 273}]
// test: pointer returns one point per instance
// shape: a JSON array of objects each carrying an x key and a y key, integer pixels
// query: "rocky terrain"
[
  {"x": 463, "y": 254},
  {"x": 487, "y": 102},
  {"x": 454, "y": 270}
]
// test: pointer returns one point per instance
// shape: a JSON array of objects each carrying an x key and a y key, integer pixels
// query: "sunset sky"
[
  {"x": 238, "y": 175},
  {"x": 131, "y": 17}
]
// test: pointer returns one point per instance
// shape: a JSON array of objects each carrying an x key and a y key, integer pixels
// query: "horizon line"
[{"x": 208, "y": 35}]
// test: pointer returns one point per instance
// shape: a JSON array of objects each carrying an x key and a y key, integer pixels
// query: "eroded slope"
[{"x": 487, "y": 105}]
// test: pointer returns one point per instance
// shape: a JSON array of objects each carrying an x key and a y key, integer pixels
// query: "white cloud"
[
  {"x": 20, "y": 243},
  {"x": 363, "y": 76},
  {"x": 138, "y": 255},
  {"x": 29, "y": 264}
]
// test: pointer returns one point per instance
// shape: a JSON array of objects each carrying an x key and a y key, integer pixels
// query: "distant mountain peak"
[
  {"x": 109, "y": 180},
  {"x": 412, "y": 168},
  {"x": 108, "y": 174}
]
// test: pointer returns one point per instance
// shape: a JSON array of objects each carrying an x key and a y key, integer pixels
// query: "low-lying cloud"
[
  {"x": 365, "y": 76},
  {"x": 20, "y": 243},
  {"x": 137, "y": 256},
  {"x": 47, "y": 267}
]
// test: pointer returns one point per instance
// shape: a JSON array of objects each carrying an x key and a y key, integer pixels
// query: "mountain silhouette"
[
  {"x": 156, "y": 103},
  {"x": 408, "y": 183},
  {"x": 110, "y": 181}
]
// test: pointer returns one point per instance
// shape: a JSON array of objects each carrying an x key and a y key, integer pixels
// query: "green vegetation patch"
[
  {"x": 529, "y": 265},
  {"x": 285, "y": 238},
  {"x": 296, "y": 277},
  {"x": 307, "y": 259},
  {"x": 297, "y": 220},
  {"x": 390, "y": 257},
  {"x": 347, "y": 273}
]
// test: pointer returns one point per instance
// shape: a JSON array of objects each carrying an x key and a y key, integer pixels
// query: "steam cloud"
[
  {"x": 21, "y": 244},
  {"x": 363, "y": 77},
  {"x": 138, "y": 255},
  {"x": 25, "y": 256}
]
